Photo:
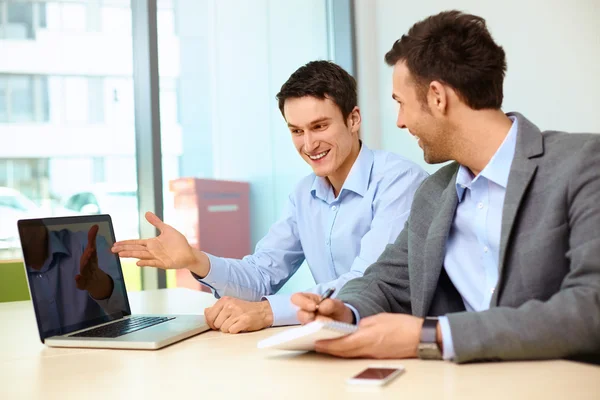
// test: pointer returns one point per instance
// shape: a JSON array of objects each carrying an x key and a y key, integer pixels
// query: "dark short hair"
[
  {"x": 458, "y": 50},
  {"x": 321, "y": 79}
]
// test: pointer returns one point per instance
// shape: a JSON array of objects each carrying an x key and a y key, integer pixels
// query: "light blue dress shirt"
[
  {"x": 59, "y": 302},
  {"x": 472, "y": 247},
  {"x": 339, "y": 237}
]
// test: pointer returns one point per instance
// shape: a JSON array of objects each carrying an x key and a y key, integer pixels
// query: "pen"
[{"x": 326, "y": 295}]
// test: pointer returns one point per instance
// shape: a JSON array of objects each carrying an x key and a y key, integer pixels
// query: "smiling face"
[
  {"x": 415, "y": 113},
  {"x": 327, "y": 142}
]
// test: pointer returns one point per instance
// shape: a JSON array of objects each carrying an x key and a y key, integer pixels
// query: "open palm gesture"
[{"x": 169, "y": 250}]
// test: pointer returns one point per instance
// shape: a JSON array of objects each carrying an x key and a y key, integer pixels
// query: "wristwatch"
[{"x": 428, "y": 347}]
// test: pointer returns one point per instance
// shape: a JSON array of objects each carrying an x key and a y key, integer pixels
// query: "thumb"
[{"x": 155, "y": 221}]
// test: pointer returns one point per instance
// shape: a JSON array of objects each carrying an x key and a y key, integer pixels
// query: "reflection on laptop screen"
[{"x": 75, "y": 280}]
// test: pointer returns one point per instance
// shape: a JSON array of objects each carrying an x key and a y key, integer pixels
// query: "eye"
[
  {"x": 320, "y": 127},
  {"x": 296, "y": 132}
]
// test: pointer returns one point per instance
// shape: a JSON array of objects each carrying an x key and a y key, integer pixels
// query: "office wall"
[{"x": 552, "y": 49}]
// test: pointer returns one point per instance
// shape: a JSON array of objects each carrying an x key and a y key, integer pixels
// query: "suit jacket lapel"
[
  {"x": 435, "y": 247},
  {"x": 529, "y": 145}
]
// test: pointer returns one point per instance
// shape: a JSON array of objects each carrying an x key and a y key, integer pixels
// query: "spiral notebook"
[{"x": 303, "y": 338}]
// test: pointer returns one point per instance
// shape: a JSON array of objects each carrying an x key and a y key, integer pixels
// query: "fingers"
[
  {"x": 154, "y": 220},
  {"x": 85, "y": 259},
  {"x": 306, "y": 301},
  {"x": 350, "y": 346},
  {"x": 92, "y": 236},
  {"x": 224, "y": 314},
  {"x": 211, "y": 313},
  {"x": 151, "y": 263},
  {"x": 330, "y": 306},
  {"x": 209, "y": 320},
  {"x": 305, "y": 316},
  {"x": 141, "y": 254},
  {"x": 134, "y": 244},
  {"x": 240, "y": 325},
  {"x": 228, "y": 323}
]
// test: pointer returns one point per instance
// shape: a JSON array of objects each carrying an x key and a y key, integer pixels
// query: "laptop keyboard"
[{"x": 124, "y": 327}]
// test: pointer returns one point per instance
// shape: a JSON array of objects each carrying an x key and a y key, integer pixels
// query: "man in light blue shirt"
[{"x": 338, "y": 219}]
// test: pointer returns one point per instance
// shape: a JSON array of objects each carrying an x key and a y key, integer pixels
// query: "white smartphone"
[{"x": 378, "y": 375}]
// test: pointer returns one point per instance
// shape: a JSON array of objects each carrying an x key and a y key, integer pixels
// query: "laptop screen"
[{"x": 74, "y": 279}]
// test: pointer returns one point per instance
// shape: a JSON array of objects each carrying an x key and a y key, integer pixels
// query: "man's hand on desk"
[
  {"x": 232, "y": 315},
  {"x": 379, "y": 336},
  {"x": 169, "y": 250},
  {"x": 329, "y": 308}
]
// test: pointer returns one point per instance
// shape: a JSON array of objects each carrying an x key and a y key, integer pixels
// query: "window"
[
  {"x": 23, "y": 98},
  {"x": 21, "y": 19},
  {"x": 3, "y": 99},
  {"x": 67, "y": 128}
]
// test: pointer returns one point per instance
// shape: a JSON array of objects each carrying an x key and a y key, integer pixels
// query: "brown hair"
[
  {"x": 321, "y": 79},
  {"x": 458, "y": 50}
]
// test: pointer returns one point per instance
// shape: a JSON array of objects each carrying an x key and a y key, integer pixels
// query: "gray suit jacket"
[{"x": 547, "y": 300}]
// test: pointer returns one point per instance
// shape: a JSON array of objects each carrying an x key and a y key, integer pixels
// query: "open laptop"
[{"x": 78, "y": 291}]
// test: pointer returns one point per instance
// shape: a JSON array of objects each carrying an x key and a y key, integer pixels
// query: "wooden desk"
[{"x": 221, "y": 366}]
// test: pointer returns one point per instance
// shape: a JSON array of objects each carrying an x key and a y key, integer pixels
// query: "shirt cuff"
[
  {"x": 355, "y": 312},
  {"x": 284, "y": 312},
  {"x": 218, "y": 274},
  {"x": 446, "y": 338}
]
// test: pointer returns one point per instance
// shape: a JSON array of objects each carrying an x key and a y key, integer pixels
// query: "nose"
[
  {"x": 310, "y": 142},
  {"x": 400, "y": 121}
]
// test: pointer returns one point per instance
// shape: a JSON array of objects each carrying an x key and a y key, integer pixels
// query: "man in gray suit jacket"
[{"x": 503, "y": 244}]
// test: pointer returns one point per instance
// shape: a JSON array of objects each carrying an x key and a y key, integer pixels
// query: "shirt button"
[
  {"x": 480, "y": 205},
  {"x": 40, "y": 275},
  {"x": 333, "y": 208},
  {"x": 485, "y": 249}
]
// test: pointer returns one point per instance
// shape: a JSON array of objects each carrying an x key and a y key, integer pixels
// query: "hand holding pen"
[
  {"x": 311, "y": 305},
  {"x": 326, "y": 295}
]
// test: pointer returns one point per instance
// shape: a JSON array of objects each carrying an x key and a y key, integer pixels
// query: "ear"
[
  {"x": 354, "y": 120},
  {"x": 437, "y": 97}
]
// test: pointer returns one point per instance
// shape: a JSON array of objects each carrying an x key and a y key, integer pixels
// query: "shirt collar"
[
  {"x": 497, "y": 169},
  {"x": 56, "y": 243},
  {"x": 357, "y": 180}
]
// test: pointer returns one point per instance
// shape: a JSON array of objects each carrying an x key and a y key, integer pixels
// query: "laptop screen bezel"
[{"x": 79, "y": 219}]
